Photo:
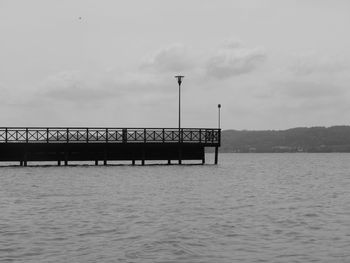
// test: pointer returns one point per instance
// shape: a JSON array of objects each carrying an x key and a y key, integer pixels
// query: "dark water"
[{"x": 250, "y": 208}]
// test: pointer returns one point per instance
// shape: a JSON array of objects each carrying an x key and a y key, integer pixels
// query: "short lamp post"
[
  {"x": 219, "y": 135},
  {"x": 219, "y": 117}
]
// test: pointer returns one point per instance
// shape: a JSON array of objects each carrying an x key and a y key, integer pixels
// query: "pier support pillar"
[
  {"x": 66, "y": 158},
  {"x": 203, "y": 159},
  {"x": 216, "y": 154},
  {"x": 96, "y": 162},
  {"x": 133, "y": 162},
  {"x": 143, "y": 156},
  {"x": 59, "y": 163},
  {"x": 169, "y": 162},
  {"x": 180, "y": 155},
  {"x": 25, "y": 162},
  {"x": 20, "y": 163},
  {"x": 105, "y": 156}
]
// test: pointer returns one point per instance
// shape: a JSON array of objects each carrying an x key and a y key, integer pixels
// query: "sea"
[{"x": 248, "y": 208}]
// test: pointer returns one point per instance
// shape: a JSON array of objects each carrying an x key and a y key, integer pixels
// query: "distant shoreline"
[{"x": 296, "y": 140}]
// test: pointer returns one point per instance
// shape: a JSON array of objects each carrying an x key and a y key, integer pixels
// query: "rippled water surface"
[{"x": 249, "y": 208}]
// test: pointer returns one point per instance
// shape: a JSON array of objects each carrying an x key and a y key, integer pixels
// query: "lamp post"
[
  {"x": 219, "y": 120},
  {"x": 219, "y": 135},
  {"x": 179, "y": 81}
]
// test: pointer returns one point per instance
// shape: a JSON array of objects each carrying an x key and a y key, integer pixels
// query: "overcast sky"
[{"x": 271, "y": 64}]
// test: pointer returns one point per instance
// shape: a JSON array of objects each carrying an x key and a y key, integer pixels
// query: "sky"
[{"x": 271, "y": 64}]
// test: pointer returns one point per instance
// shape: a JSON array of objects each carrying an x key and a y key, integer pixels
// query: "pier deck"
[{"x": 106, "y": 144}]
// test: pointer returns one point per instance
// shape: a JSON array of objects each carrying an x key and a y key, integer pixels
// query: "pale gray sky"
[{"x": 271, "y": 64}]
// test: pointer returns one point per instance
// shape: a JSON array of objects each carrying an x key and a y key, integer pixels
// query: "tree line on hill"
[{"x": 314, "y": 139}]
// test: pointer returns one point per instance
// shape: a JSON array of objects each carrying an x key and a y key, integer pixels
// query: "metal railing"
[{"x": 110, "y": 135}]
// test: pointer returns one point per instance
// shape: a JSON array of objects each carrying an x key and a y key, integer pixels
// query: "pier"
[{"x": 100, "y": 145}]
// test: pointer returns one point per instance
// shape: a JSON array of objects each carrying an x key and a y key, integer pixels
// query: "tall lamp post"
[
  {"x": 179, "y": 81},
  {"x": 219, "y": 120}
]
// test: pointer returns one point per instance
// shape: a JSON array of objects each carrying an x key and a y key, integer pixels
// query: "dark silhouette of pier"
[{"x": 106, "y": 144}]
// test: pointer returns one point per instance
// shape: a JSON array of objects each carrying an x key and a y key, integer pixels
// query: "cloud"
[
  {"x": 76, "y": 86},
  {"x": 310, "y": 63},
  {"x": 310, "y": 90},
  {"x": 232, "y": 43},
  {"x": 234, "y": 59},
  {"x": 4, "y": 93},
  {"x": 174, "y": 58},
  {"x": 231, "y": 59},
  {"x": 13, "y": 95},
  {"x": 102, "y": 97},
  {"x": 81, "y": 88}
]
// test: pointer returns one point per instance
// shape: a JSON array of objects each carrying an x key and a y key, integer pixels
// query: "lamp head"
[
  {"x": 179, "y": 79},
  {"x": 219, "y": 106}
]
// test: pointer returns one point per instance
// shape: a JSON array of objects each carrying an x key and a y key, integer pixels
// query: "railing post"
[
  {"x": 47, "y": 135},
  {"x": 87, "y": 135},
  {"x": 5, "y": 135},
  {"x": 26, "y": 135},
  {"x": 144, "y": 136},
  {"x": 106, "y": 135},
  {"x": 124, "y": 135},
  {"x": 163, "y": 133},
  {"x": 200, "y": 135},
  {"x": 67, "y": 132}
]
